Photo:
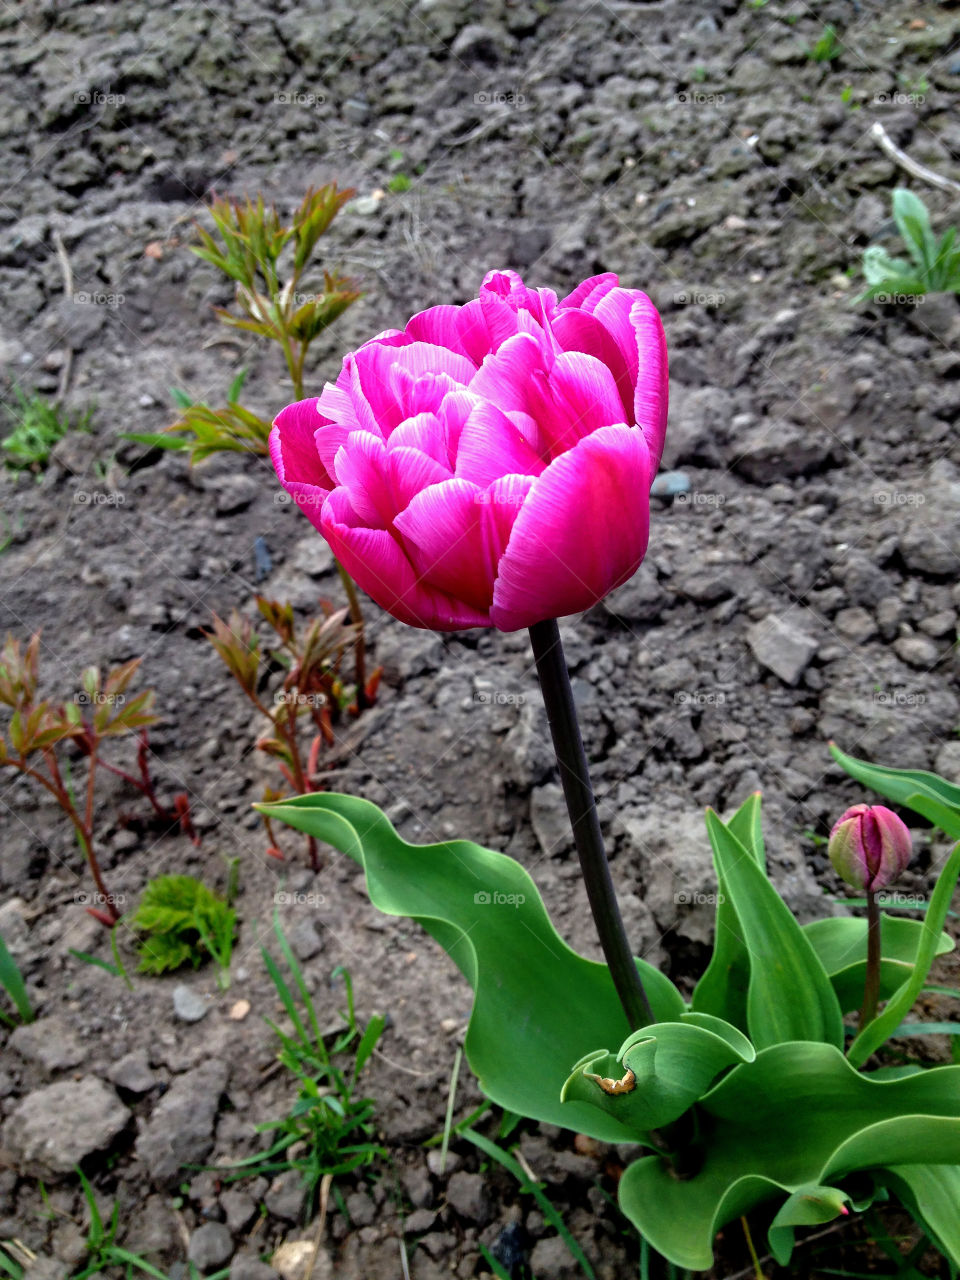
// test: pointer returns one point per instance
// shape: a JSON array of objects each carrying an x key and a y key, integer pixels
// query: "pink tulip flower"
[
  {"x": 491, "y": 464},
  {"x": 870, "y": 846}
]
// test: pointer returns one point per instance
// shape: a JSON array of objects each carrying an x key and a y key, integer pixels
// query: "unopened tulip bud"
[{"x": 869, "y": 847}]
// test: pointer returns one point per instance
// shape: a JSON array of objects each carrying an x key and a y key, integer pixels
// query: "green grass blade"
[
  {"x": 496, "y": 1267},
  {"x": 882, "y": 1027},
  {"x": 12, "y": 980},
  {"x": 546, "y": 1208}
]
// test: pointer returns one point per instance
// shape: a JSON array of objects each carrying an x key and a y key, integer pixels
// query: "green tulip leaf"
[
  {"x": 660, "y": 1071},
  {"x": 926, "y": 793},
  {"x": 930, "y": 1193},
  {"x": 789, "y": 996},
  {"x": 722, "y": 989},
  {"x": 798, "y": 1116},
  {"x": 885, "y": 1023},
  {"x": 841, "y": 944},
  {"x": 537, "y": 1004},
  {"x": 807, "y": 1207}
]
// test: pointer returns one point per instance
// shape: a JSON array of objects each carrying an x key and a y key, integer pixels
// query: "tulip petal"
[
  {"x": 449, "y": 533},
  {"x": 375, "y": 559},
  {"x": 426, "y": 432},
  {"x": 581, "y": 532},
  {"x": 589, "y": 292},
  {"x": 374, "y": 365},
  {"x": 439, "y": 326},
  {"x": 379, "y": 482},
  {"x": 653, "y": 386},
  {"x": 504, "y": 376},
  {"x": 492, "y": 446},
  {"x": 633, "y": 322},
  {"x": 293, "y": 446},
  {"x": 579, "y": 331}
]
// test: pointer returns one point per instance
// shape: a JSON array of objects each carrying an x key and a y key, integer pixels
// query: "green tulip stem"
[
  {"x": 871, "y": 986},
  {"x": 582, "y": 808}
]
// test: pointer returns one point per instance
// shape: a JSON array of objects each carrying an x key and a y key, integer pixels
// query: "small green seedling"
[
  {"x": 827, "y": 47},
  {"x": 102, "y": 1249},
  {"x": 329, "y": 1130},
  {"x": 934, "y": 262},
  {"x": 37, "y": 425},
  {"x": 184, "y": 922}
]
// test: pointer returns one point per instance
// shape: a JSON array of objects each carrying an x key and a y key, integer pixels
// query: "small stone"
[
  {"x": 916, "y": 651},
  {"x": 948, "y": 761},
  {"x": 465, "y": 1192},
  {"x": 247, "y": 1266},
  {"x": 855, "y": 624},
  {"x": 180, "y": 1130},
  {"x": 284, "y": 1199},
  {"x": 551, "y": 1257},
  {"x": 418, "y": 1186},
  {"x": 548, "y": 817},
  {"x": 419, "y": 1221},
  {"x": 434, "y": 1159},
  {"x": 233, "y": 493},
  {"x": 305, "y": 940},
  {"x": 295, "y": 1258},
  {"x": 54, "y": 1128},
  {"x": 49, "y": 1042},
  {"x": 668, "y": 484},
  {"x": 356, "y": 111},
  {"x": 890, "y": 612},
  {"x": 210, "y": 1246},
  {"x": 939, "y": 624},
  {"x": 239, "y": 1208},
  {"x": 187, "y": 1005},
  {"x": 133, "y": 1073},
  {"x": 238, "y": 1010},
  {"x": 477, "y": 43},
  {"x": 360, "y": 1209},
  {"x": 781, "y": 647}
]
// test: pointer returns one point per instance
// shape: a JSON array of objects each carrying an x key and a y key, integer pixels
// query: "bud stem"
[
  {"x": 582, "y": 808},
  {"x": 871, "y": 986}
]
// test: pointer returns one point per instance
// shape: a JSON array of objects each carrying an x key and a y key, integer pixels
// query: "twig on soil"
[
  {"x": 488, "y": 126},
  {"x": 913, "y": 167},
  {"x": 404, "y": 1265},
  {"x": 325, "y": 1185},
  {"x": 398, "y": 1066},
  {"x": 67, "y": 272},
  {"x": 448, "y": 1119}
]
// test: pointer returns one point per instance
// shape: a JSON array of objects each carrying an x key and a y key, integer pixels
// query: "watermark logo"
[
  {"x": 698, "y": 298},
  {"x": 899, "y": 698},
  {"x": 899, "y": 99},
  {"x": 906, "y": 901},
  {"x": 298, "y": 98},
  {"x": 284, "y": 499},
  {"x": 696, "y": 498},
  {"x": 291, "y": 698},
  {"x": 897, "y": 498},
  {"x": 900, "y": 299},
  {"x": 95, "y": 98},
  {"x": 94, "y": 498},
  {"x": 497, "y": 98},
  {"x": 699, "y": 698},
  {"x": 485, "y": 498},
  {"x": 494, "y": 898},
  {"x": 99, "y": 299},
  {"x": 694, "y": 98},
  {"x": 499, "y": 698},
  {"x": 686, "y": 898},
  {"x": 98, "y": 699},
  {"x": 291, "y": 898},
  {"x": 85, "y": 899}
]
